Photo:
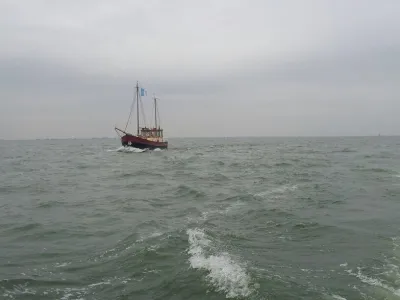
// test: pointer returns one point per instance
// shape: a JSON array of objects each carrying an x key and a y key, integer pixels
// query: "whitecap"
[{"x": 224, "y": 273}]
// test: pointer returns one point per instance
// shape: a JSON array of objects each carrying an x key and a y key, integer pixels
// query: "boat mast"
[
  {"x": 155, "y": 111},
  {"x": 137, "y": 106}
]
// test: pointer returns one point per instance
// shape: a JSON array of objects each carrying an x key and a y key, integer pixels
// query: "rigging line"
[
  {"x": 153, "y": 114},
  {"x": 142, "y": 110},
  {"x": 130, "y": 113},
  {"x": 159, "y": 120}
]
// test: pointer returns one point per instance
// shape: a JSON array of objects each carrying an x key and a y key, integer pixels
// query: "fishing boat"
[{"x": 146, "y": 137}]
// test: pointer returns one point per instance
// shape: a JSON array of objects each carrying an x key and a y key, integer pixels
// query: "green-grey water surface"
[{"x": 242, "y": 218}]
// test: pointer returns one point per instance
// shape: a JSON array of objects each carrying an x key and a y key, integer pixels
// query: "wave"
[
  {"x": 140, "y": 241},
  {"x": 186, "y": 191},
  {"x": 224, "y": 273},
  {"x": 140, "y": 173},
  {"x": 374, "y": 170},
  {"x": 374, "y": 281},
  {"x": 27, "y": 288},
  {"x": 24, "y": 228},
  {"x": 385, "y": 278},
  {"x": 282, "y": 164},
  {"x": 344, "y": 150},
  {"x": 307, "y": 225},
  {"x": 16, "y": 288},
  {"x": 277, "y": 191}
]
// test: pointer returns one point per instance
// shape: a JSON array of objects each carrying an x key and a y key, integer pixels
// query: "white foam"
[
  {"x": 72, "y": 292},
  {"x": 131, "y": 150},
  {"x": 60, "y": 265},
  {"x": 127, "y": 150},
  {"x": 225, "y": 274},
  {"x": 374, "y": 282},
  {"x": 116, "y": 150},
  {"x": 99, "y": 283},
  {"x": 231, "y": 208},
  {"x": 155, "y": 234},
  {"x": 204, "y": 215},
  {"x": 146, "y": 237},
  {"x": 19, "y": 289},
  {"x": 338, "y": 297},
  {"x": 388, "y": 277},
  {"x": 279, "y": 190},
  {"x": 68, "y": 293}
]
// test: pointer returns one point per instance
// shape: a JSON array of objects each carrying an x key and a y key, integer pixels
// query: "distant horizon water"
[{"x": 208, "y": 137}]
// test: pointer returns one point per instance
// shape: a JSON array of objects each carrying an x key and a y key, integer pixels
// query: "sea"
[{"x": 209, "y": 218}]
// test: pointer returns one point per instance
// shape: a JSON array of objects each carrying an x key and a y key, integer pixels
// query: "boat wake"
[{"x": 128, "y": 149}]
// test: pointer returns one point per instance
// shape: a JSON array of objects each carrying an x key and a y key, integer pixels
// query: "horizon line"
[{"x": 207, "y": 137}]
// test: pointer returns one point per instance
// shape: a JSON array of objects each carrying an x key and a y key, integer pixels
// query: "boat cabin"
[{"x": 153, "y": 134}]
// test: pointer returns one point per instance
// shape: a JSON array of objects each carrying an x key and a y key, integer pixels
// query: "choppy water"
[{"x": 300, "y": 218}]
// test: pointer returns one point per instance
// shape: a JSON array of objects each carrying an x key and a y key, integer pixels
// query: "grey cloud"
[{"x": 220, "y": 68}]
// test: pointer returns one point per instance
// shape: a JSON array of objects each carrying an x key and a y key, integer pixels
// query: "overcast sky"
[{"x": 220, "y": 68}]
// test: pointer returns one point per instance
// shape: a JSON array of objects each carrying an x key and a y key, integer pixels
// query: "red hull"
[{"x": 141, "y": 143}]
